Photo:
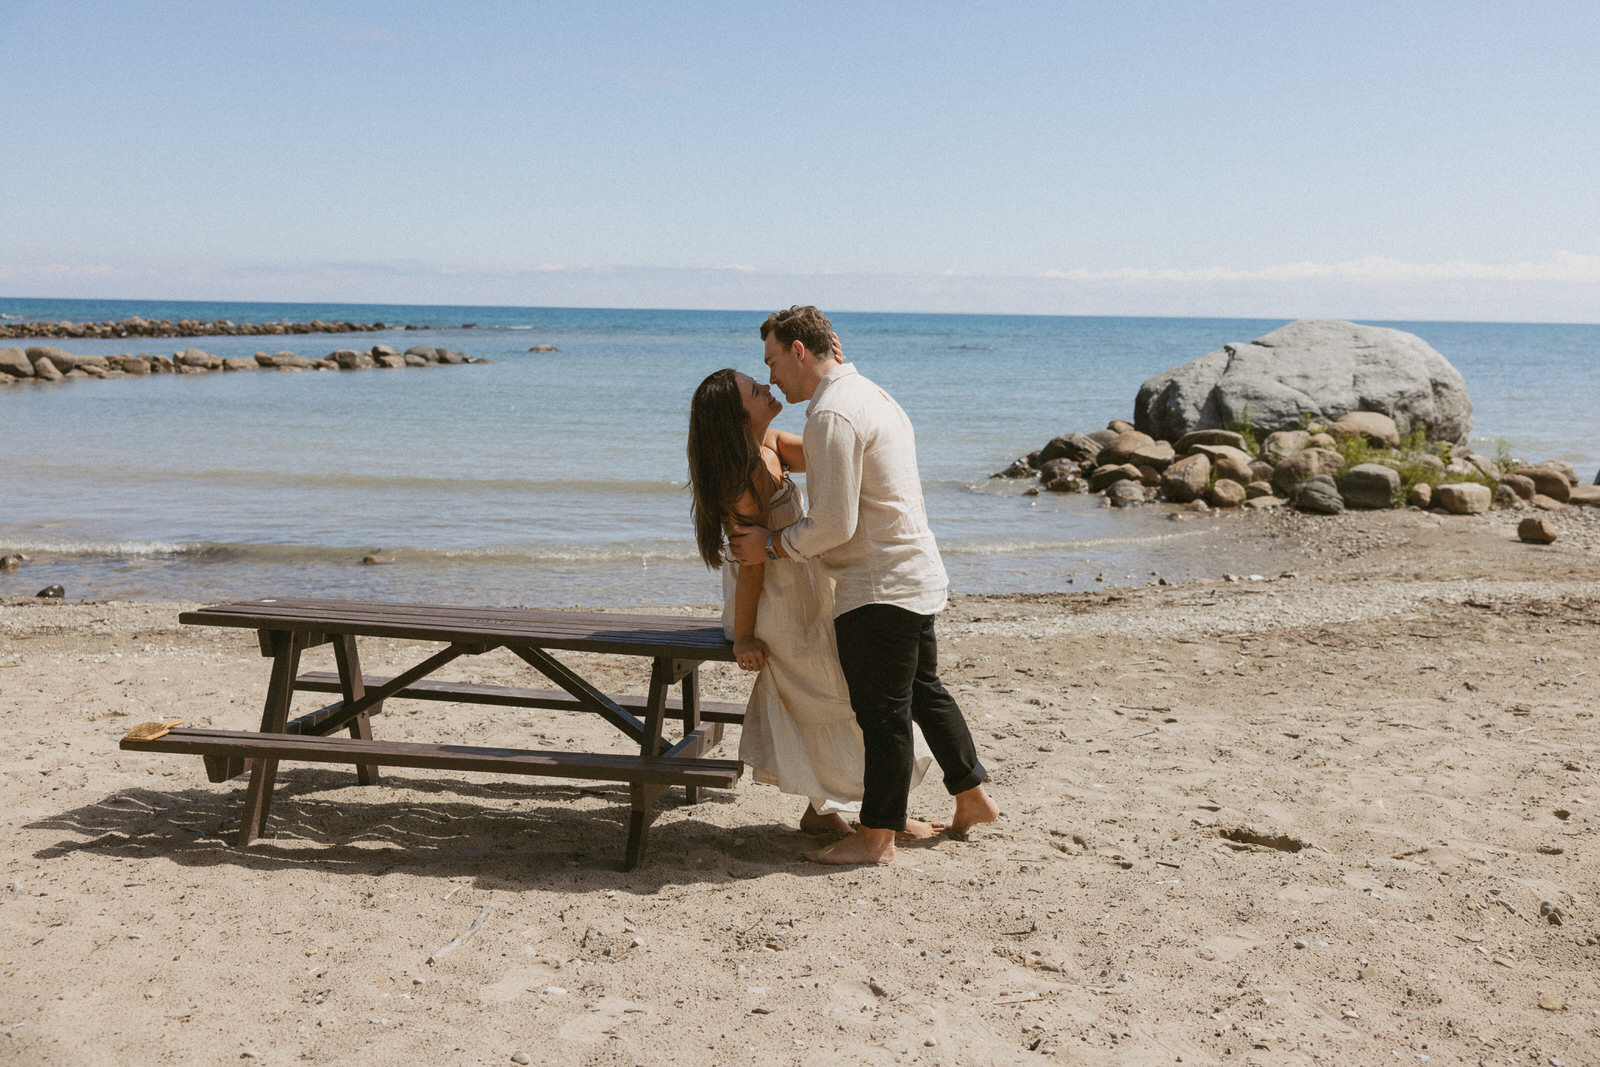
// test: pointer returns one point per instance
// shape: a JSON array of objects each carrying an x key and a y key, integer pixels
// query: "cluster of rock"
[
  {"x": 1314, "y": 390},
  {"x": 138, "y": 327},
  {"x": 1215, "y": 468},
  {"x": 43, "y": 363}
]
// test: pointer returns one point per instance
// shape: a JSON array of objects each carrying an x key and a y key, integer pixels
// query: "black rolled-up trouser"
[{"x": 891, "y": 667}]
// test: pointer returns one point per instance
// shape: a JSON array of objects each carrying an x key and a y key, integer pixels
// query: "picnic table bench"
[{"x": 286, "y": 627}]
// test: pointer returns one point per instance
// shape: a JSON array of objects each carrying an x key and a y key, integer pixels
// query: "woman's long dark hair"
[{"x": 723, "y": 461}]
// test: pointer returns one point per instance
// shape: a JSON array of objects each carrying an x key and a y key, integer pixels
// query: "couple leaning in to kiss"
[{"x": 832, "y": 603}]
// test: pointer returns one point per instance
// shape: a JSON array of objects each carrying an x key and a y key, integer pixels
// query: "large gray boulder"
[{"x": 1320, "y": 366}]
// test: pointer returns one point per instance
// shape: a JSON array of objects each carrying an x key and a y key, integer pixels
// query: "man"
[{"x": 868, "y": 529}]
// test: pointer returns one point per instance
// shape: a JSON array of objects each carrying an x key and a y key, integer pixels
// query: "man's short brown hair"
[{"x": 803, "y": 323}]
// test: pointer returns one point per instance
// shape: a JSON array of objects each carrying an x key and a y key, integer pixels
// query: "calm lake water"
[{"x": 558, "y": 478}]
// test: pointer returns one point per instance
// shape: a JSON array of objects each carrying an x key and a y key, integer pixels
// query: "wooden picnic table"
[{"x": 288, "y": 626}]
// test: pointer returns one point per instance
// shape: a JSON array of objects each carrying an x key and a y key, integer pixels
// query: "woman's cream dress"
[{"x": 800, "y": 733}]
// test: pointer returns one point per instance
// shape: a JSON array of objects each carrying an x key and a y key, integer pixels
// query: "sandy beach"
[{"x": 1344, "y": 813}]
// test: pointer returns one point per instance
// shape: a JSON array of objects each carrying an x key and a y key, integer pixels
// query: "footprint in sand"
[
  {"x": 1226, "y": 947},
  {"x": 520, "y": 981},
  {"x": 607, "y": 1017}
]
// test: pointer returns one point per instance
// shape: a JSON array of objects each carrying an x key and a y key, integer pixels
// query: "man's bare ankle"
[{"x": 973, "y": 806}]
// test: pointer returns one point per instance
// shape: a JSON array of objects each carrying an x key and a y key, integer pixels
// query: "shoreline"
[
  {"x": 1324, "y": 815},
  {"x": 1188, "y": 546}
]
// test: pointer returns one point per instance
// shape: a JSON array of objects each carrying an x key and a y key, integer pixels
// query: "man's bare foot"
[
  {"x": 864, "y": 846},
  {"x": 972, "y": 807},
  {"x": 814, "y": 822},
  {"x": 917, "y": 830}
]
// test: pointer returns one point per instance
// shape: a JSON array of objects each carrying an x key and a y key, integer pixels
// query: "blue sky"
[{"x": 1360, "y": 160}]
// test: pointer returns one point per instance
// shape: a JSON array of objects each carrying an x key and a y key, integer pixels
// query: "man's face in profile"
[{"x": 783, "y": 367}]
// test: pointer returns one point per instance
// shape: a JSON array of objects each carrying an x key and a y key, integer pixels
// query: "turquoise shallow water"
[{"x": 558, "y": 478}]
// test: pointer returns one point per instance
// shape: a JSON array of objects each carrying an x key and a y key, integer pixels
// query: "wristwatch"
[{"x": 772, "y": 553}]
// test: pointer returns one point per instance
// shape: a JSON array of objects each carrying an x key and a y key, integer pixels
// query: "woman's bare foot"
[
  {"x": 814, "y": 822},
  {"x": 972, "y": 807},
  {"x": 864, "y": 846}
]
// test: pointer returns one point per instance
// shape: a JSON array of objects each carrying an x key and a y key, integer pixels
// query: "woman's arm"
[
  {"x": 749, "y": 651},
  {"x": 788, "y": 447}
]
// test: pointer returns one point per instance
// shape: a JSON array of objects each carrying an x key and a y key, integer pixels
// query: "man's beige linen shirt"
[{"x": 867, "y": 526}]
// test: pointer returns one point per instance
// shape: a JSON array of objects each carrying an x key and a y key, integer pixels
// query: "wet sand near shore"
[{"x": 1344, "y": 813}]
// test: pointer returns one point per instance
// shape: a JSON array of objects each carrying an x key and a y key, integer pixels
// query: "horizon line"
[{"x": 760, "y": 311}]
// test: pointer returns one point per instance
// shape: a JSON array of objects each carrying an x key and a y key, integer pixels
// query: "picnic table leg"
[
  {"x": 286, "y": 647},
  {"x": 655, "y": 711},
  {"x": 355, "y": 687},
  {"x": 643, "y": 797},
  {"x": 643, "y": 813},
  {"x": 691, "y": 721}
]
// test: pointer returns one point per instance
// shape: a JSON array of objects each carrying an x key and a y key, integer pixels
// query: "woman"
[{"x": 799, "y": 733}]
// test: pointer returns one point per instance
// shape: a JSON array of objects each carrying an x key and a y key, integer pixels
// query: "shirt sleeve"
[{"x": 833, "y": 487}]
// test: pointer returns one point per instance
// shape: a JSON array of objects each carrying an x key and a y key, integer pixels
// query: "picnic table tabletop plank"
[{"x": 649, "y": 635}]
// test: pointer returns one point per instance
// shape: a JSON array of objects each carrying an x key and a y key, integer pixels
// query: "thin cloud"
[
  {"x": 37, "y": 272},
  {"x": 1565, "y": 287},
  {"x": 1561, "y": 267}
]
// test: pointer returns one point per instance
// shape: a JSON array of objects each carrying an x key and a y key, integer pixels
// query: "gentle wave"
[
  {"x": 236, "y": 552},
  {"x": 242, "y": 552},
  {"x": 1008, "y": 548},
  {"x": 96, "y": 548},
  {"x": 292, "y": 479}
]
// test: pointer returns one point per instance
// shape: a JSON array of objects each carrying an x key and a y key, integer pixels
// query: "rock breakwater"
[
  {"x": 140, "y": 327},
  {"x": 43, "y": 364}
]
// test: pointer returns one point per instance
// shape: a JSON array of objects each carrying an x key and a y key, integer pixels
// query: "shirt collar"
[{"x": 839, "y": 370}]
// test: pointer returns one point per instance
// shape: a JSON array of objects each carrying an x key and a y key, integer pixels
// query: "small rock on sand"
[{"x": 1536, "y": 530}]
